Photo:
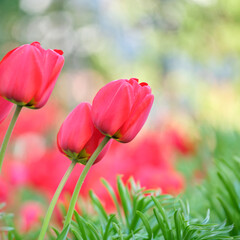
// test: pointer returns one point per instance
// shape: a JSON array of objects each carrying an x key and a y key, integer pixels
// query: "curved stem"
[
  {"x": 81, "y": 180},
  {"x": 8, "y": 134},
  {"x": 54, "y": 201}
]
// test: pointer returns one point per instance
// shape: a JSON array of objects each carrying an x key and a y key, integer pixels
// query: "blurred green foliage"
[
  {"x": 136, "y": 32},
  {"x": 147, "y": 215}
]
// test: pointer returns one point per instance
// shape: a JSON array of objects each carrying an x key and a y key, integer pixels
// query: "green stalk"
[
  {"x": 54, "y": 201},
  {"x": 8, "y": 134},
  {"x": 81, "y": 180}
]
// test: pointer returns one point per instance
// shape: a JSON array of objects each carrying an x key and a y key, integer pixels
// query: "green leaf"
[
  {"x": 76, "y": 234},
  {"x": 64, "y": 233},
  {"x": 178, "y": 226},
  {"x": 94, "y": 230},
  {"x": 80, "y": 225},
  {"x": 56, "y": 231},
  {"x": 229, "y": 187},
  {"x": 161, "y": 224},
  {"x": 118, "y": 230},
  {"x": 162, "y": 211},
  {"x": 113, "y": 196},
  {"x": 125, "y": 198},
  {"x": 230, "y": 218},
  {"x": 140, "y": 205},
  {"x": 146, "y": 224},
  {"x": 107, "y": 229},
  {"x": 98, "y": 206}
]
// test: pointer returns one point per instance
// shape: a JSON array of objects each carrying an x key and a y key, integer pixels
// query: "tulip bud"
[
  {"x": 78, "y": 138},
  {"x": 28, "y": 74},
  {"x": 5, "y": 108},
  {"x": 121, "y": 107}
]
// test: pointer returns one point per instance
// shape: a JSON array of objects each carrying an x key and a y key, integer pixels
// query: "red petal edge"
[
  {"x": 35, "y": 43},
  {"x": 58, "y": 51},
  {"x": 143, "y": 84},
  {"x": 135, "y": 79}
]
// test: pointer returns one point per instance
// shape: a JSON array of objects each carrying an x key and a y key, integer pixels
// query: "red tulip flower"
[
  {"x": 5, "y": 108},
  {"x": 28, "y": 74},
  {"x": 121, "y": 107},
  {"x": 77, "y": 137}
]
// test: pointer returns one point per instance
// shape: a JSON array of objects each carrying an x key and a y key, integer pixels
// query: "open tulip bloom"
[
  {"x": 27, "y": 77},
  {"x": 119, "y": 111},
  {"x": 28, "y": 74},
  {"x": 121, "y": 108}
]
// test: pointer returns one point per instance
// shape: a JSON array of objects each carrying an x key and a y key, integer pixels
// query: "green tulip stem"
[
  {"x": 8, "y": 134},
  {"x": 54, "y": 201},
  {"x": 81, "y": 180}
]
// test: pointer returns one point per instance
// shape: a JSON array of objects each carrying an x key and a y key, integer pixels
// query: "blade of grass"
[
  {"x": 98, "y": 206},
  {"x": 145, "y": 223},
  {"x": 113, "y": 196}
]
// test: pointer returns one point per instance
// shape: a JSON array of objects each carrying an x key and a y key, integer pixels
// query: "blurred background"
[{"x": 188, "y": 52}]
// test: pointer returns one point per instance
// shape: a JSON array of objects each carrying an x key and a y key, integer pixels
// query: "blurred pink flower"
[
  {"x": 180, "y": 141},
  {"x": 4, "y": 191},
  {"x": 149, "y": 159},
  {"x": 40, "y": 178},
  {"x": 30, "y": 216},
  {"x": 17, "y": 173},
  {"x": 28, "y": 147},
  {"x": 29, "y": 121},
  {"x": 170, "y": 182}
]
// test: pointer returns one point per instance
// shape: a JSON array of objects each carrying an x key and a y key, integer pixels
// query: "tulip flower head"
[
  {"x": 28, "y": 74},
  {"x": 121, "y": 107},
  {"x": 5, "y": 108},
  {"x": 77, "y": 137}
]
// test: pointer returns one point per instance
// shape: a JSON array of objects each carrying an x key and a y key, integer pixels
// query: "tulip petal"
[
  {"x": 8, "y": 54},
  {"x": 16, "y": 81},
  {"x": 112, "y": 106},
  {"x": 28, "y": 74},
  {"x": 93, "y": 143},
  {"x": 137, "y": 118},
  {"x": 52, "y": 65},
  {"x": 76, "y": 130}
]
